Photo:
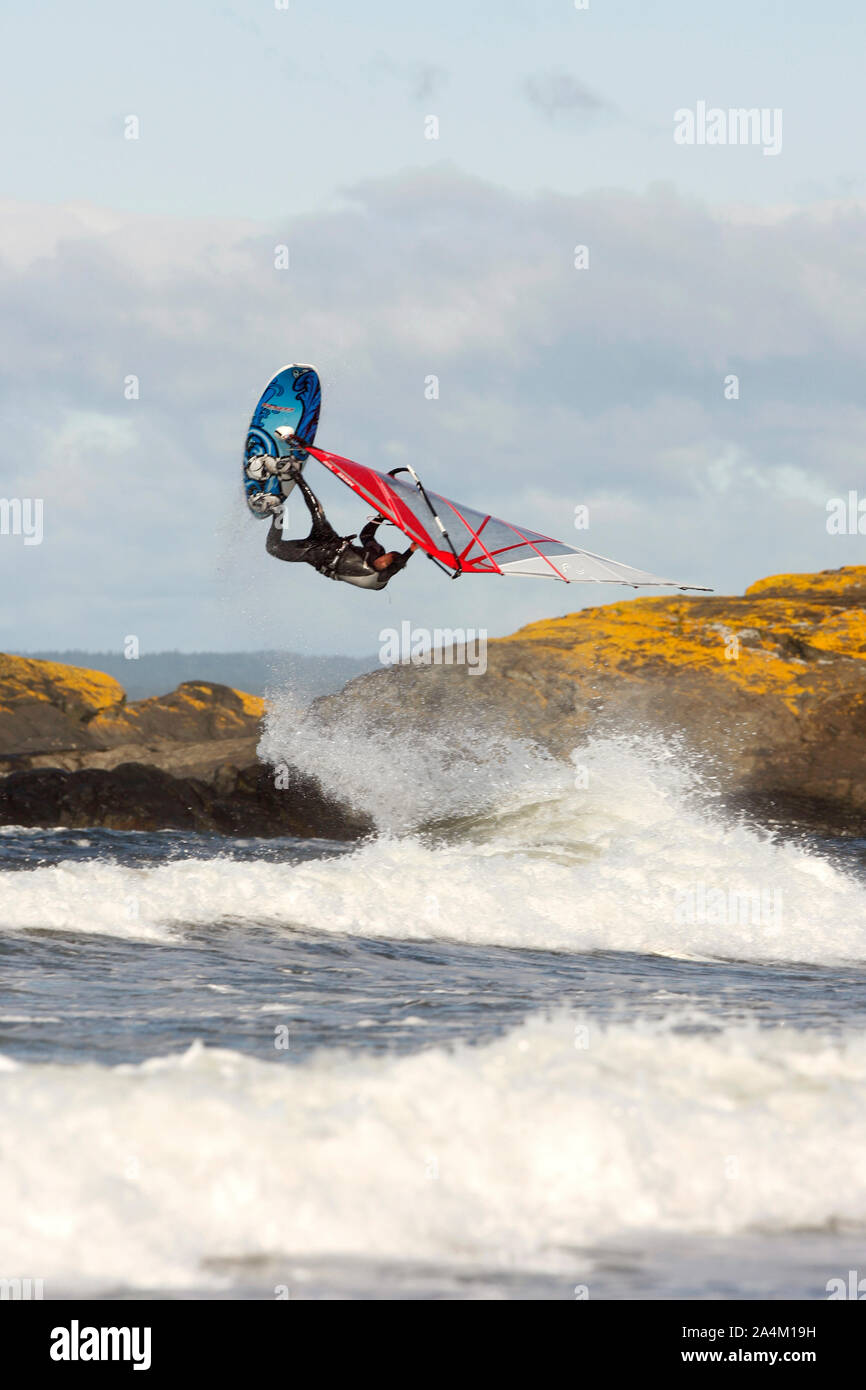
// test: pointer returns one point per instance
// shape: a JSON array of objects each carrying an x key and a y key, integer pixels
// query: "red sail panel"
[
  {"x": 482, "y": 542},
  {"x": 382, "y": 493}
]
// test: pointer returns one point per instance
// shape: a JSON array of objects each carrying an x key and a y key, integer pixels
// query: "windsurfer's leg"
[
  {"x": 285, "y": 549},
  {"x": 314, "y": 506},
  {"x": 321, "y": 530}
]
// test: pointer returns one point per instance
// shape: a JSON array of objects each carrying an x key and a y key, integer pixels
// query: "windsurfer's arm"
[
  {"x": 403, "y": 558},
  {"x": 368, "y": 535},
  {"x": 368, "y": 532}
]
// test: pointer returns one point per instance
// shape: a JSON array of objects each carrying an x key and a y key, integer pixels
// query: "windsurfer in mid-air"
[
  {"x": 367, "y": 565},
  {"x": 473, "y": 542}
]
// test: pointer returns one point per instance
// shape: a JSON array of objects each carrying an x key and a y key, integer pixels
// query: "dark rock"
[{"x": 138, "y": 797}]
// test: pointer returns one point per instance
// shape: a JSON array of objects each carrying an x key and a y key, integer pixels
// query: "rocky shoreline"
[
  {"x": 769, "y": 689},
  {"x": 75, "y": 753},
  {"x": 141, "y": 796}
]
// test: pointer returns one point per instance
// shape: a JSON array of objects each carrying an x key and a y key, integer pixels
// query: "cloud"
[
  {"x": 557, "y": 386},
  {"x": 557, "y": 93},
  {"x": 423, "y": 80}
]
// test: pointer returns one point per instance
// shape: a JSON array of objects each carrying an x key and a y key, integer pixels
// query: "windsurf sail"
[{"x": 464, "y": 541}]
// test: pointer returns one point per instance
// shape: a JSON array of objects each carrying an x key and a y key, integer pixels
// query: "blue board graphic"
[{"x": 292, "y": 399}]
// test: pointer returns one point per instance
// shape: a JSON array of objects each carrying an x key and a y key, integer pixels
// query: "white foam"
[
  {"x": 625, "y": 863},
  {"x": 510, "y": 1154},
  {"x": 105, "y": 899}
]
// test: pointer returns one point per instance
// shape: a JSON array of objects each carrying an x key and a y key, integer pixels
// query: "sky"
[{"x": 259, "y": 125}]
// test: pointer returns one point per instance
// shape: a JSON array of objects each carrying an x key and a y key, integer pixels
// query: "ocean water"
[{"x": 553, "y": 1032}]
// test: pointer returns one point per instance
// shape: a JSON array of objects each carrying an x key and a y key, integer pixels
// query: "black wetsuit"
[{"x": 334, "y": 555}]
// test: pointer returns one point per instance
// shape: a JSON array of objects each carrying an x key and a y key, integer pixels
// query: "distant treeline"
[{"x": 156, "y": 673}]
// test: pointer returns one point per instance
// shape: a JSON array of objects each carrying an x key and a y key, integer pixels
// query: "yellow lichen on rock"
[
  {"x": 26, "y": 678},
  {"x": 843, "y": 583},
  {"x": 253, "y": 706},
  {"x": 762, "y": 643},
  {"x": 46, "y": 706}
]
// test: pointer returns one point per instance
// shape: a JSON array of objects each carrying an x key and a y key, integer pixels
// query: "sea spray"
[{"x": 538, "y": 860}]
